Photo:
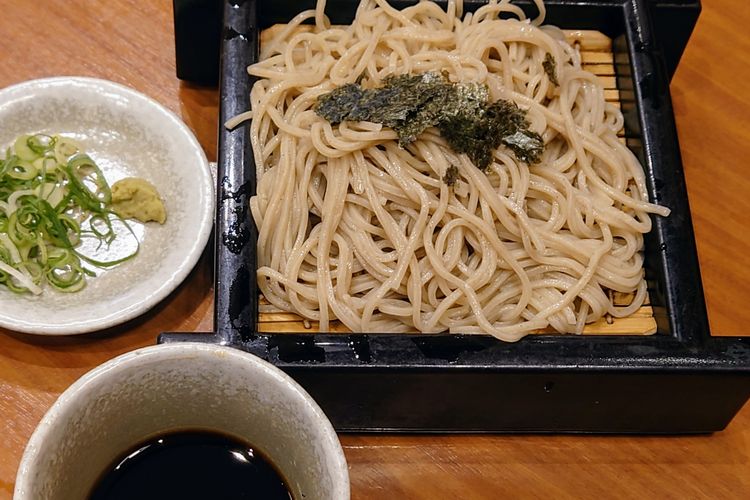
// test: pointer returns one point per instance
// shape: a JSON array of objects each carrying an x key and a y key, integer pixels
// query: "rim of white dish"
[
  {"x": 205, "y": 225},
  {"x": 171, "y": 351}
]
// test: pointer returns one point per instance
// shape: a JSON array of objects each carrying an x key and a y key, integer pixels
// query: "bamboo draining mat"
[{"x": 596, "y": 55}]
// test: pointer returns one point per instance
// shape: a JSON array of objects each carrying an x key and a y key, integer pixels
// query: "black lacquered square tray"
[{"x": 679, "y": 380}]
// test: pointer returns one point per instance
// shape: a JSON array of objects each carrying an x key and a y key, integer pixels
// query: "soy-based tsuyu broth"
[{"x": 191, "y": 465}]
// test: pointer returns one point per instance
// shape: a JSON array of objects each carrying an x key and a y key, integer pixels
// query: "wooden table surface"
[{"x": 132, "y": 42}]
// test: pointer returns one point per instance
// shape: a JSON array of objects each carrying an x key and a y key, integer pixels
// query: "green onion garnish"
[{"x": 52, "y": 195}]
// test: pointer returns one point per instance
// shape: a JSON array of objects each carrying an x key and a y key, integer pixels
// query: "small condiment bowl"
[
  {"x": 185, "y": 386},
  {"x": 127, "y": 134}
]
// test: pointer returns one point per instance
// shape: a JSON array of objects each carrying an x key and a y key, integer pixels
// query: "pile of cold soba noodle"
[{"x": 355, "y": 228}]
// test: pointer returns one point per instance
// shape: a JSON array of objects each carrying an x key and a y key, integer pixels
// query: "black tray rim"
[{"x": 688, "y": 349}]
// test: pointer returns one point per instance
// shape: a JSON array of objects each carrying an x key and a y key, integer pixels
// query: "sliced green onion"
[
  {"x": 21, "y": 169},
  {"x": 41, "y": 143},
  {"x": 49, "y": 191},
  {"x": 22, "y": 149},
  {"x": 82, "y": 172},
  {"x": 17, "y": 281}
]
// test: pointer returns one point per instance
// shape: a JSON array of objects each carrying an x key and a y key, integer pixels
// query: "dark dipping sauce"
[{"x": 191, "y": 465}]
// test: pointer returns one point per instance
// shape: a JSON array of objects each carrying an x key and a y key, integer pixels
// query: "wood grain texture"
[
  {"x": 131, "y": 42},
  {"x": 711, "y": 97}
]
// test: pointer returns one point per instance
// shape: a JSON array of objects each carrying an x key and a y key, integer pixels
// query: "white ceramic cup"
[{"x": 181, "y": 386}]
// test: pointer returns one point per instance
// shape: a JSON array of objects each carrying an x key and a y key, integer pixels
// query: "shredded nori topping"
[
  {"x": 478, "y": 135},
  {"x": 409, "y": 104},
  {"x": 337, "y": 105},
  {"x": 451, "y": 175},
  {"x": 550, "y": 67},
  {"x": 406, "y": 103}
]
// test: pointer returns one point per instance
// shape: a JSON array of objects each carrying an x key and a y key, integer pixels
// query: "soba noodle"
[{"x": 355, "y": 228}]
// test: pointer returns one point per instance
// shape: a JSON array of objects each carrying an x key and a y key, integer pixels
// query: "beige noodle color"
[{"x": 353, "y": 227}]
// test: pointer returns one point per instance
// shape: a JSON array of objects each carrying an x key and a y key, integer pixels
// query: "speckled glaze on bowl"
[
  {"x": 181, "y": 386},
  {"x": 128, "y": 135}
]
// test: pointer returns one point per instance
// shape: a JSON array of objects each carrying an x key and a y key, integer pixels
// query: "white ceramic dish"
[
  {"x": 167, "y": 387},
  {"x": 128, "y": 135}
]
